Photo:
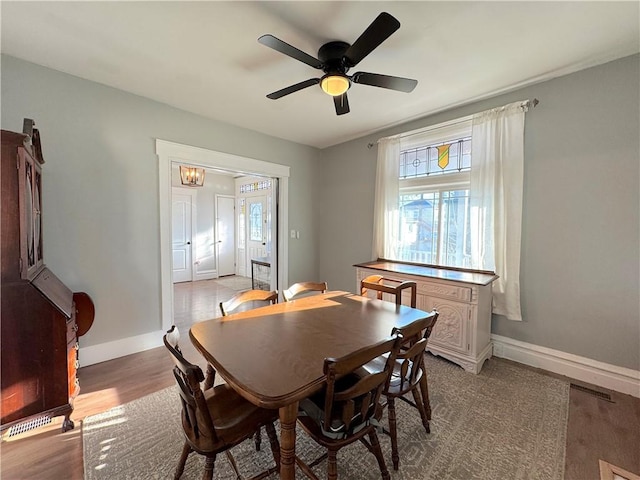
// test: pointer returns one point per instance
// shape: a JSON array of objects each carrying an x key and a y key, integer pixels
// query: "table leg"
[{"x": 288, "y": 415}]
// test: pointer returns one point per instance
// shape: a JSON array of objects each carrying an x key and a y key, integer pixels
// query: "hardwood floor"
[
  {"x": 597, "y": 428},
  {"x": 601, "y": 429}
]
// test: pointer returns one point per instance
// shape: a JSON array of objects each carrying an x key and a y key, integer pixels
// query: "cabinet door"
[
  {"x": 452, "y": 328},
  {"x": 29, "y": 185}
]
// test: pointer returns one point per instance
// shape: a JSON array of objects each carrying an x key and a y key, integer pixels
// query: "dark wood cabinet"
[{"x": 38, "y": 315}]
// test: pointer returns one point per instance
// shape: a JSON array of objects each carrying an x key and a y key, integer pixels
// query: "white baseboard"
[
  {"x": 619, "y": 379},
  {"x": 119, "y": 348}
]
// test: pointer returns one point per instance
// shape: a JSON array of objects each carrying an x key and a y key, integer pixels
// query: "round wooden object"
[{"x": 85, "y": 311}]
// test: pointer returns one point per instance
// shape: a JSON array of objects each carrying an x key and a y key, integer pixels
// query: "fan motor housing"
[{"x": 332, "y": 56}]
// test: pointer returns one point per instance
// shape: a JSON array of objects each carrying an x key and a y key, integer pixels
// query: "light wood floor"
[{"x": 597, "y": 429}]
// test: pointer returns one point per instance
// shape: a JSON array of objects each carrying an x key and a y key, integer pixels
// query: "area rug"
[{"x": 508, "y": 422}]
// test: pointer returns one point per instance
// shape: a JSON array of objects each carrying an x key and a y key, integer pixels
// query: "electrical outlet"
[{"x": 293, "y": 234}]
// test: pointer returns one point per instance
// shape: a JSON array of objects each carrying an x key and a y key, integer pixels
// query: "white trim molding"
[
  {"x": 119, "y": 348},
  {"x": 612, "y": 377}
]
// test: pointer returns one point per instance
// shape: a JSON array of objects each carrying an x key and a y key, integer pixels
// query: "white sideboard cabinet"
[{"x": 462, "y": 298}]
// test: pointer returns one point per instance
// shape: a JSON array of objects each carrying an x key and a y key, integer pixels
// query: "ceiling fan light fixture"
[{"x": 334, "y": 85}]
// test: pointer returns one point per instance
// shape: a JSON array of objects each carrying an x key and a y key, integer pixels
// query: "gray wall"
[
  {"x": 100, "y": 192},
  {"x": 580, "y": 243},
  {"x": 580, "y": 288}
]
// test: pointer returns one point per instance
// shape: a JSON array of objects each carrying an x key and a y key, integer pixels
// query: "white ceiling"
[{"x": 204, "y": 57}]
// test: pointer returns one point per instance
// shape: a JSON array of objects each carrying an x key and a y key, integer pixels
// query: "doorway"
[{"x": 169, "y": 153}]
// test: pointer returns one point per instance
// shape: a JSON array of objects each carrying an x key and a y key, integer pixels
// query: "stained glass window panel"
[
  {"x": 255, "y": 220},
  {"x": 436, "y": 159}
]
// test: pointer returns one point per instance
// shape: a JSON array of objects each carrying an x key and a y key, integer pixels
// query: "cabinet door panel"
[
  {"x": 452, "y": 328},
  {"x": 30, "y": 186}
]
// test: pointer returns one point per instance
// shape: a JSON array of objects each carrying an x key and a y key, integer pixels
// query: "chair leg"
[
  {"x": 210, "y": 378},
  {"x": 393, "y": 431},
  {"x": 332, "y": 465},
  {"x": 258, "y": 439},
  {"x": 420, "y": 407},
  {"x": 186, "y": 450},
  {"x": 273, "y": 441},
  {"x": 424, "y": 390},
  {"x": 377, "y": 451},
  {"x": 208, "y": 468}
]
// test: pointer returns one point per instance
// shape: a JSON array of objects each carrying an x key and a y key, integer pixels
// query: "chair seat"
[
  {"x": 397, "y": 386},
  {"x": 311, "y": 413},
  {"x": 314, "y": 429},
  {"x": 311, "y": 417},
  {"x": 234, "y": 418}
]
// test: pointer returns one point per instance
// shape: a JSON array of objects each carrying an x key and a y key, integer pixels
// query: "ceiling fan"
[{"x": 336, "y": 58}]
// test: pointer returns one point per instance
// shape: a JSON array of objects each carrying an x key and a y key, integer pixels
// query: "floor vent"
[
  {"x": 595, "y": 393},
  {"x": 29, "y": 425}
]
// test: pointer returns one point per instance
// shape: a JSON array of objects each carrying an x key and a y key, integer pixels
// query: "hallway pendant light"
[{"x": 192, "y": 176}]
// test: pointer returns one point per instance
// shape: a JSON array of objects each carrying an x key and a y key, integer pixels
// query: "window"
[
  {"x": 431, "y": 206},
  {"x": 434, "y": 207},
  {"x": 255, "y": 222}
]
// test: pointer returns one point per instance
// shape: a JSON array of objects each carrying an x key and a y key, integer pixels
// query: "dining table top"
[{"x": 274, "y": 355}]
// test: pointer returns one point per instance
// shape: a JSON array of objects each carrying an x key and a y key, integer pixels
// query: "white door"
[
  {"x": 225, "y": 235},
  {"x": 181, "y": 213},
  {"x": 256, "y": 228}
]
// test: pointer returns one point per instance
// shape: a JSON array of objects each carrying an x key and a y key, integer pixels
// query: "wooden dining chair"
[
  {"x": 381, "y": 285},
  {"x": 217, "y": 418},
  {"x": 302, "y": 287},
  {"x": 409, "y": 375},
  {"x": 249, "y": 299},
  {"x": 348, "y": 408}
]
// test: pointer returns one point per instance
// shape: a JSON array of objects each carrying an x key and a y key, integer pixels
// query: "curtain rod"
[{"x": 527, "y": 103}]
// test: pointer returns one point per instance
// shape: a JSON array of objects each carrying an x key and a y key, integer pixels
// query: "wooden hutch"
[{"x": 39, "y": 331}]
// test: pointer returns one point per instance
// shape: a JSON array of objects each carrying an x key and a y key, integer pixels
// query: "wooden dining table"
[{"x": 274, "y": 355}]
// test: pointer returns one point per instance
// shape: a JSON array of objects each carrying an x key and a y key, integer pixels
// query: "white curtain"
[
  {"x": 386, "y": 222},
  {"x": 497, "y": 154}
]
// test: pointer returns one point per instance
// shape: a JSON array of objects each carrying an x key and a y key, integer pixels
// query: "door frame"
[
  {"x": 190, "y": 192},
  {"x": 171, "y": 152}
]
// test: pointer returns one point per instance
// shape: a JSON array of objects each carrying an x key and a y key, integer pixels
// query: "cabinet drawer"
[{"x": 462, "y": 294}]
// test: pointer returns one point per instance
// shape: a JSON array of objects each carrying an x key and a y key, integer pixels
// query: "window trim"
[{"x": 453, "y": 180}]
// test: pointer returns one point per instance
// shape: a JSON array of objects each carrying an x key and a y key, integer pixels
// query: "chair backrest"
[
  {"x": 256, "y": 297},
  {"x": 351, "y": 401},
  {"x": 388, "y": 285},
  {"x": 196, "y": 419},
  {"x": 410, "y": 357},
  {"x": 301, "y": 287},
  {"x": 419, "y": 329}
]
